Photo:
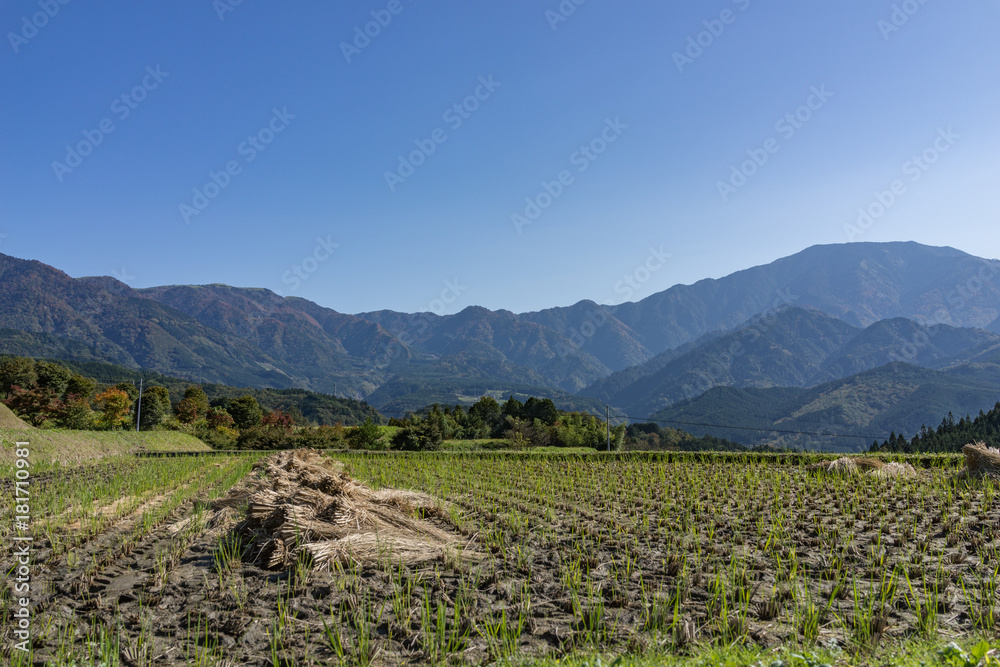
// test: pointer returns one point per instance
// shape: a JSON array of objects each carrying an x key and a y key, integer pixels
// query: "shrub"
[
  {"x": 366, "y": 436},
  {"x": 420, "y": 437}
]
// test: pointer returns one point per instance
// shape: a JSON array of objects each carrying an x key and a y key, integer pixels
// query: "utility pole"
[
  {"x": 138, "y": 412},
  {"x": 607, "y": 422}
]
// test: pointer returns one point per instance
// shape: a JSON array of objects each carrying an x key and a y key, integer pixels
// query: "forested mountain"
[
  {"x": 860, "y": 283},
  {"x": 895, "y": 398},
  {"x": 793, "y": 347},
  {"x": 118, "y": 325},
  {"x": 253, "y": 337},
  {"x": 950, "y": 436}
]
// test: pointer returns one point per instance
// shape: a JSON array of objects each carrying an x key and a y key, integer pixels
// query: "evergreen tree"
[
  {"x": 154, "y": 406},
  {"x": 246, "y": 412}
]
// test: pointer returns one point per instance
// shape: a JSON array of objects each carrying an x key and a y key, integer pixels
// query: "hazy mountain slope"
[
  {"x": 26, "y": 344},
  {"x": 252, "y": 336},
  {"x": 792, "y": 348},
  {"x": 594, "y": 329},
  {"x": 900, "y": 339},
  {"x": 120, "y": 326},
  {"x": 786, "y": 350},
  {"x": 330, "y": 349},
  {"x": 895, "y": 397},
  {"x": 495, "y": 337},
  {"x": 860, "y": 283},
  {"x": 522, "y": 342}
]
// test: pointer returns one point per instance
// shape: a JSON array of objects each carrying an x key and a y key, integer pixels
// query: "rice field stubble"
[{"x": 558, "y": 555}]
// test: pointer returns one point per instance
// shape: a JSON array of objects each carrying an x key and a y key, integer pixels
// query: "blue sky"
[{"x": 617, "y": 99}]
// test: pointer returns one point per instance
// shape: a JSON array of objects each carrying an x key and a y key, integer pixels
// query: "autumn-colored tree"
[
  {"x": 217, "y": 417},
  {"x": 130, "y": 390},
  {"x": 277, "y": 419},
  {"x": 198, "y": 395},
  {"x": 19, "y": 371},
  {"x": 115, "y": 406},
  {"x": 193, "y": 406},
  {"x": 36, "y": 405},
  {"x": 186, "y": 411}
]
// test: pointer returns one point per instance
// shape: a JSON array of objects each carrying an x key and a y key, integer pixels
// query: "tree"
[
  {"x": 19, "y": 371},
  {"x": 186, "y": 411},
  {"x": 486, "y": 410},
  {"x": 195, "y": 402},
  {"x": 115, "y": 406},
  {"x": 246, "y": 412},
  {"x": 278, "y": 420},
  {"x": 75, "y": 413},
  {"x": 218, "y": 417},
  {"x": 54, "y": 377},
  {"x": 544, "y": 410},
  {"x": 81, "y": 386},
  {"x": 420, "y": 437},
  {"x": 154, "y": 406},
  {"x": 36, "y": 405},
  {"x": 130, "y": 390},
  {"x": 513, "y": 408},
  {"x": 366, "y": 436}
]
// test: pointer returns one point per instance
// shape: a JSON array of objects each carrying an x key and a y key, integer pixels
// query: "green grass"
[
  {"x": 59, "y": 447},
  {"x": 560, "y": 450},
  {"x": 495, "y": 444},
  {"x": 488, "y": 444}
]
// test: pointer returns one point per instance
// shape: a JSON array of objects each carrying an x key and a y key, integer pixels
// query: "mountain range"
[{"x": 801, "y": 322}]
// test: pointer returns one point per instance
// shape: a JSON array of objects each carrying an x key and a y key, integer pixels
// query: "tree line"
[
  {"x": 536, "y": 422},
  {"x": 950, "y": 436},
  {"x": 47, "y": 393}
]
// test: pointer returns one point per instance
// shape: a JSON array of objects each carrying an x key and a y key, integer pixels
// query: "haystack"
[
  {"x": 9, "y": 420},
  {"x": 893, "y": 469},
  {"x": 307, "y": 506},
  {"x": 981, "y": 460},
  {"x": 859, "y": 466},
  {"x": 849, "y": 466}
]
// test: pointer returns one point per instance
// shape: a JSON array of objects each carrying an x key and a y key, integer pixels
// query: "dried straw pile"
[
  {"x": 305, "y": 505},
  {"x": 893, "y": 469},
  {"x": 981, "y": 460},
  {"x": 861, "y": 466}
]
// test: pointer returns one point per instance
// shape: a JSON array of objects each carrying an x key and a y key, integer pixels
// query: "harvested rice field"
[{"x": 303, "y": 558}]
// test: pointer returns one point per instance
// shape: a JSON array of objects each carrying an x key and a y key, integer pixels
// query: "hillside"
[
  {"x": 59, "y": 448},
  {"x": 118, "y": 325},
  {"x": 860, "y": 283},
  {"x": 896, "y": 398},
  {"x": 10, "y": 421},
  {"x": 793, "y": 347},
  {"x": 317, "y": 408},
  {"x": 253, "y": 337}
]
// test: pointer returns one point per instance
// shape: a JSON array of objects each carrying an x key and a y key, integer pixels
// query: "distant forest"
[{"x": 949, "y": 437}]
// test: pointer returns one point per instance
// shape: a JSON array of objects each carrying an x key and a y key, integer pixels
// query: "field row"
[{"x": 160, "y": 561}]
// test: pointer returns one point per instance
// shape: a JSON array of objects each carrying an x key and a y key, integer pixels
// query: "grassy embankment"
[{"x": 63, "y": 448}]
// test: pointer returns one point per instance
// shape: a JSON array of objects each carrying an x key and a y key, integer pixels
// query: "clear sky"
[{"x": 116, "y": 116}]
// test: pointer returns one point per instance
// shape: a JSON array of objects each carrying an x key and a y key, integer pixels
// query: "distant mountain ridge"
[
  {"x": 897, "y": 397},
  {"x": 253, "y": 337},
  {"x": 793, "y": 347}
]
